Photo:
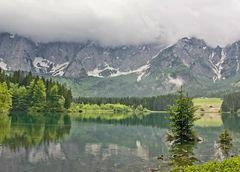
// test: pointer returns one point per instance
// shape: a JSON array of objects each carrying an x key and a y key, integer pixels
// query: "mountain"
[
  {"x": 141, "y": 70},
  {"x": 72, "y": 60}
]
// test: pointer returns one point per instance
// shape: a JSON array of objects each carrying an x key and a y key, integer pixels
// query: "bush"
[{"x": 228, "y": 165}]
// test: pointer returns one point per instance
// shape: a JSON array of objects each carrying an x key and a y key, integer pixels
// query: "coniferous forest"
[
  {"x": 156, "y": 103},
  {"x": 21, "y": 91}
]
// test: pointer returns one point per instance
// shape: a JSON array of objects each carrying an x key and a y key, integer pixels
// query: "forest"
[
  {"x": 156, "y": 103},
  {"x": 20, "y": 91}
]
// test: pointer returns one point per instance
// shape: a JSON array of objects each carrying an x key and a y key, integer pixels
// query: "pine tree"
[
  {"x": 182, "y": 119},
  {"x": 55, "y": 101},
  {"x": 37, "y": 95}
]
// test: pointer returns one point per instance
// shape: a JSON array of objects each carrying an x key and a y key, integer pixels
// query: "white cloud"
[{"x": 113, "y": 22}]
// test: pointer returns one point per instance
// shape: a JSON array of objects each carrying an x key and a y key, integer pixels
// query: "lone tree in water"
[{"x": 182, "y": 119}]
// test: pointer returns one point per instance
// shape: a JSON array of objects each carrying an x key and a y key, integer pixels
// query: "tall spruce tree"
[
  {"x": 37, "y": 95},
  {"x": 182, "y": 119}
]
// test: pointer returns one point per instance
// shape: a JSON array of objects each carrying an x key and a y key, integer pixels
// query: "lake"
[{"x": 58, "y": 143}]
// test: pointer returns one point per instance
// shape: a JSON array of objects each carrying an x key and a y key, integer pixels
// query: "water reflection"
[
  {"x": 54, "y": 142},
  {"x": 29, "y": 130},
  {"x": 231, "y": 122},
  {"x": 182, "y": 154},
  {"x": 154, "y": 120}
]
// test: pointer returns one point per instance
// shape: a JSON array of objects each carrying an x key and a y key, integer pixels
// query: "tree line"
[
  {"x": 20, "y": 91},
  {"x": 156, "y": 103}
]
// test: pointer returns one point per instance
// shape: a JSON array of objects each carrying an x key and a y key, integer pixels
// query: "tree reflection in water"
[
  {"x": 182, "y": 154},
  {"x": 28, "y": 130}
]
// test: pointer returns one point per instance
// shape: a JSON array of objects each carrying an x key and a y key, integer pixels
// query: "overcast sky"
[{"x": 116, "y": 22}]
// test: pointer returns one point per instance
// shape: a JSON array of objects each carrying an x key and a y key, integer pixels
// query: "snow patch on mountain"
[
  {"x": 47, "y": 66},
  {"x": 116, "y": 72},
  {"x": 218, "y": 67},
  {"x": 142, "y": 71},
  {"x": 138, "y": 71},
  {"x": 41, "y": 63},
  {"x": 95, "y": 72},
  {"x": 3, "y": 65},
  {"x": 58, "y": 70}
]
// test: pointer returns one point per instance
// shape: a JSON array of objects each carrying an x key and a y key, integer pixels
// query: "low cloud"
[{"x": 117, "y": 22}]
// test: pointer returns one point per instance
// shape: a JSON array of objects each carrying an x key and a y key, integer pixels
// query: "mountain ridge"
[{"x": 140, "y": 70}]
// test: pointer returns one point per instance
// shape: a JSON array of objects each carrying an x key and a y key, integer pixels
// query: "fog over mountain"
[{"x": 122, "y": 22}]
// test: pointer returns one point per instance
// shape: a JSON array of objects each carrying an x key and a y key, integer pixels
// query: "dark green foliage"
[
  {"x": 55, "y": 101},
  {"x": 231, "y": 102},
  {"x": 158, "y": 103},
  {"x": 182, "y": 119},
  {"x": 32, "y": 93}
]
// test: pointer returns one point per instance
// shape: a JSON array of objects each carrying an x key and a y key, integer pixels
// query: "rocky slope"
[{"x": 72, "y": 60}]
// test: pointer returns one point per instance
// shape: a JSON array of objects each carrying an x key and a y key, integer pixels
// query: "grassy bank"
[
  {"x": 231, "y": 164},
  {"x": 105, "y": 108},
  {"x": 208, "y": 105},
  {"x": 208, "y": 112}
]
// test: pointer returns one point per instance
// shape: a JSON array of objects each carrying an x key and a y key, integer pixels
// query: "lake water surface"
[{"x": 59, "y": 143}]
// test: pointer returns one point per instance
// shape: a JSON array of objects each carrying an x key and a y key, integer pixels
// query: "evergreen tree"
[
  {"x": 182, "y": 119},
  {"x": 37, "y": 95},
  {"x": 5, "y": 98},
  {"x": 55, "y": 101}
]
